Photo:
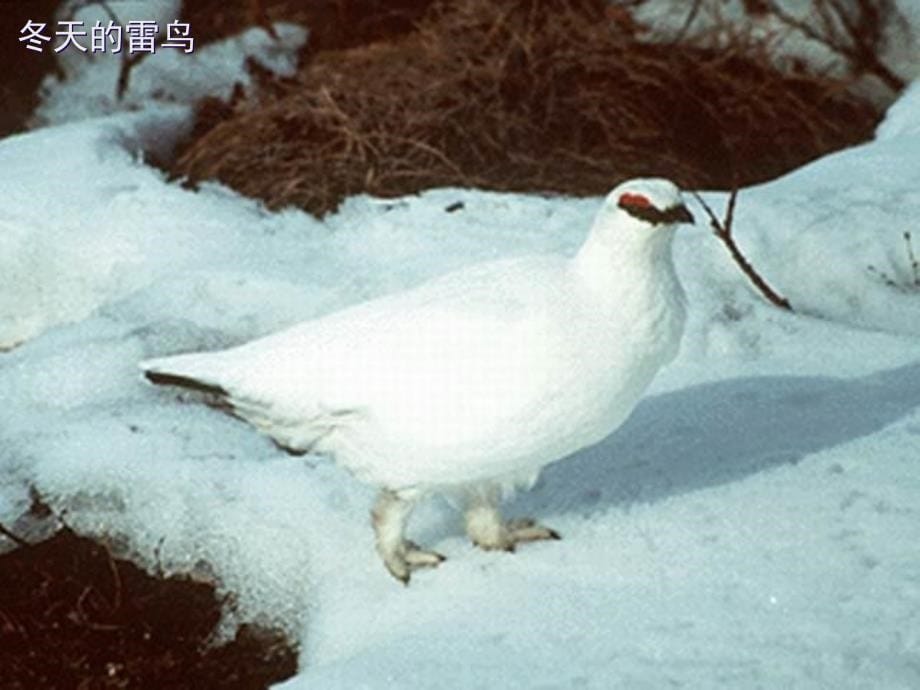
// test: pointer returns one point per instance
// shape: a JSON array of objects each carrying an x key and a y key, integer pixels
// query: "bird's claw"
[
  {"x": 410, "y": 557},
  {"x": 517, "y": 531}
]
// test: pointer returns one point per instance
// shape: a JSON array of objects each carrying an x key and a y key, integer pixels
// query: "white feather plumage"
[{"x": 489, "y": 372}]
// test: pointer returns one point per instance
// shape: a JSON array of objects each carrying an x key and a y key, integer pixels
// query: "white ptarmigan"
[{"x": 472, "y": 382}]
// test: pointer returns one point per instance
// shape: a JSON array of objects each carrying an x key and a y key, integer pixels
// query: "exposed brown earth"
[{"x": 74, "y": 617}]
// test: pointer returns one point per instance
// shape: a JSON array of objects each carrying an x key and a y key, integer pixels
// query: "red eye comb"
[{"x": 636, "y": 200}]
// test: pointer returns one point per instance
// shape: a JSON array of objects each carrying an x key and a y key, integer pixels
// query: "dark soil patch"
[
  {"x": 22, "y": 69},
  {"x": 527, "y": 95},
  {"x": 72, "y": 616}
]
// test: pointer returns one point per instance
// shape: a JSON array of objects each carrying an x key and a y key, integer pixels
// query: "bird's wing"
[{"x": 468, "y": 336}]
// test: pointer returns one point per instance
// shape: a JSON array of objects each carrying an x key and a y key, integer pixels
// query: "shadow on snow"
[{"x": 721, "y": 432}]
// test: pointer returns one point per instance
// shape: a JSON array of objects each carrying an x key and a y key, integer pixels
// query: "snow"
[
  {"x": 753, "y": 525},
  {"x": 88, "y": 83},
  {"x": 827, "y": 239},
  {"x": 901, "y": 118}
]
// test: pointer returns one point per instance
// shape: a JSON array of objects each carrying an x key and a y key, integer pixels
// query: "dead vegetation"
[
  {"x": 855, "y": 30},
  {"x": 907, "y": 281},
  {"x": 722, "y": 229},
  {"x": 526, "y": 95},
  {"x": 73, "y": 616}
]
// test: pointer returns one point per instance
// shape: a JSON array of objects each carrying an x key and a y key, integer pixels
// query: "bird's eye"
[
  {"x": 639, "y": 206},
  {"x": 630, "y": 200}
]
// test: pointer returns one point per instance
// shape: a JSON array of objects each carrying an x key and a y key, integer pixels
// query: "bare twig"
[
  {"x": 852, "y": 31},
  {"x": 691, "y": 16},
  {"x": 723, "y": 230},
  {"x": 128, "y": 61},
  {"x": 912, "y": 282},
  {"x": 912, "y": 259},
  {"x": 160, "y": 573},
  {"x": 116, "y": 580},
  {"x": 84, "y": 616},
  {"x": 13, "y": 537},
  {"x": 259, "y": 16}
]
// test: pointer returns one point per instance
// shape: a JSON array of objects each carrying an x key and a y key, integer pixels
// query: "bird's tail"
[
  {"x": 196, "y": 372},
  {"x": 185, "y": 371}
]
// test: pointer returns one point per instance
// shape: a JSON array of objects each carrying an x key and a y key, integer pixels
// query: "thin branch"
[
  {"x": 859, "y": 44},
  {"x": 912, "y": 259},
  {"x": 116, "y": 602},
  {"x": 259, "y": 16},
  {"x": 691, "y": 16},
  {"x": 15, "y": 538},
  {"x": 723, "y": 230},
  {"x": 128, "y": 61}
]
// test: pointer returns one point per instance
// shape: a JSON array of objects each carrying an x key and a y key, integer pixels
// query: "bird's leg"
[
  {"x": 401, "y": 557},
  {"x": 487, "y": 530}
]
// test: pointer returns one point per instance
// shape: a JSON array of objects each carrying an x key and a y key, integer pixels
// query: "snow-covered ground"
[
  {"x": 86, "y": 84},
  {"x": 754, "y": 524}
]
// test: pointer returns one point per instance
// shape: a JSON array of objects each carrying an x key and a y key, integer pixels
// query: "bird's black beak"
[{"x": 680, "y": 214}]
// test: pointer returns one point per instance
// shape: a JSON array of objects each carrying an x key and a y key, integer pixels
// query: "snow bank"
[
  {"x": 89, "y": 82},
  {"x": 829, "y": 236},
  {"x": 902, "y": 118},
  {"x": 98, "y": 224}
]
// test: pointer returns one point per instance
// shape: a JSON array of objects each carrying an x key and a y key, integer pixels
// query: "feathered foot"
[
  {"x": 487, "y": 530},
  {"x": 400, "y": 556}
]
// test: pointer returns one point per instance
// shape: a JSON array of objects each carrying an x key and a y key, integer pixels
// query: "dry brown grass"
[{"x": 524, "y": 95}]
